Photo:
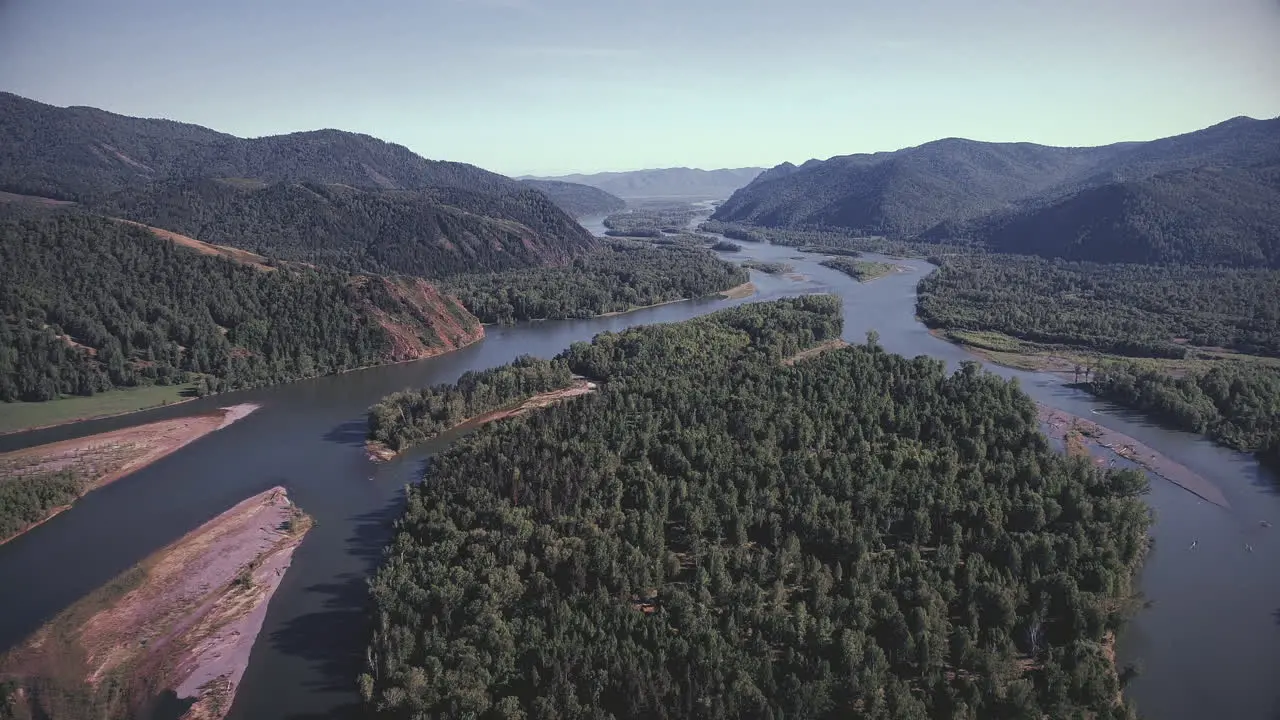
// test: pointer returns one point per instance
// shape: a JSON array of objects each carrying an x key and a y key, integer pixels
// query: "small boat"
[{"x": 1193, "y": 544}]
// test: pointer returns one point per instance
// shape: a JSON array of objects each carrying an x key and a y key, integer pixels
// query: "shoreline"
[
  {"x": 73, "y": 421},
  {"x": 377, "y": 452},
  {"x": 1062, "y": 425},
  {"x": 181, "y": 623},
  {"x": 101, "y": 459},
  {"x": 746, "y": 289}
]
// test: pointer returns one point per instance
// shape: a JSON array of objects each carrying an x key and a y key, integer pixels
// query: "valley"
[{"x": 543, "y": 375}]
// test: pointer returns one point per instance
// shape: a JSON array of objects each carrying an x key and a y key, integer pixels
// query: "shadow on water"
[
  {"x": 333, "y": 639},
  {"x": 169, "y": 706},
  {"x": 353, "y": 432}
]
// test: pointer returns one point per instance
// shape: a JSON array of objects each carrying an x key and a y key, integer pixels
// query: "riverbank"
[
  {"x": 378, "y": 452},
  {"x": 174, "y": 630},
  {"x": 39, "y": 482},
  {"x": 746, "y": 289},
  {"x": 1077, "y": 433},
  {"x": 18, "y": 417}
]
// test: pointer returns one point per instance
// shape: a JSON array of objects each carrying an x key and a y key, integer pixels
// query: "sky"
[{"x": 558, "y": 86}]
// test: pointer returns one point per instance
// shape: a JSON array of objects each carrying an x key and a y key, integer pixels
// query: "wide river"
[{"x": 1208, "y": 646}]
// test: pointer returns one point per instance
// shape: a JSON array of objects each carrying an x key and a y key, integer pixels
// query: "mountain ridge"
[
  {"x": 955, "y": 189},
  {"x": 679, "y": 182}
]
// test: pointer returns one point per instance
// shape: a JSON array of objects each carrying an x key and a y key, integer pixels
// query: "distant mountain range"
[
  {"x": 577, "y": 199},
  {"x": 1209, "y": 196},
  {"x": 666, "y": 183}
]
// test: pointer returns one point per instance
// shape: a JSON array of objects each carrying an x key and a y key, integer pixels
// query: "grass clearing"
[{"x": 18, "y": 416}]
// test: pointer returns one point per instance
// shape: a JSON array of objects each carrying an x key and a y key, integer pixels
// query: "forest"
[
  {"x": 654, "y": 217},
  {"x": 1132, "y": 310},
  {"x": 430, "y": 233},
  {"x": 88, "y": 304},
  {"x": 1237, "y": 406},
  {"x": 767, "y": 266},
  {"x": 409, "y": 417},
  {"x": 715, "y": 534},
  {"x": 617, "y": 277}
]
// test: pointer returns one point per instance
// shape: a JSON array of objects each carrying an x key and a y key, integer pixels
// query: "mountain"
[
  {"x": 1208, "y": 215},
  {"x": 431, "y": 232},
  {"x": 77, "y": 152},
  {"x": 686, "y": 183},
  {"x": 322, "y": 196},
  {"x": 952, "y": 181},
  {"x": 578, "y": 200},
  {"x": 88, "y": 304}
]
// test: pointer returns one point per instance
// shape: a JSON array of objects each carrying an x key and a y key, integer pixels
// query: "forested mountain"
[
  {"x": 952, "y": 181},
  {"x": 431, "y": 232},
  {"x": 904, "y": 192},
  {"x": 689, "y": 183},
  {"x": 577, "y": 199},
  {"x": 78, "y": 152},
  {"x": 715, "y": 534},
  {"x": 88, "y": 304},
  {"x": 1208, "y": 216}
]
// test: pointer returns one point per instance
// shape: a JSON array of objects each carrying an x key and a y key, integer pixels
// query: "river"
[{"x": 1209, "y": 645}]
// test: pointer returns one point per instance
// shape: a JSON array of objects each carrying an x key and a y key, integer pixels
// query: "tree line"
[
  {"x": 619, "y": 276},
  {"x": 409, "y": 417},
  {"x": 1235, "y": 404},
  {"x": 1133, "y": 310},
  {"x": 717, "y": 535}
]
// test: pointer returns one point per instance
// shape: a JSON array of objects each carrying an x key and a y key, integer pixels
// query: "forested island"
[
  {"x": 622, "y": 275},
  {"x": 412, "y": 416},
  {"x": 860, "y": 270},
  {"x": 721, "y": 533}
]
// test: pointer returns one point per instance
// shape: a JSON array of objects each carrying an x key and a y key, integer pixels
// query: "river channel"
[{"x": 1208, "y": 646}]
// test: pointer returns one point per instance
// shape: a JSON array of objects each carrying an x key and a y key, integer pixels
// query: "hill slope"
[
  {"x": 689, "y": 183},
  {"x": 432, "y": 232},
  {"x": 911, "y": 190},
  {"x": 88, "y": 304},
  {"x": 78, "y": 152},
  {"x": 577, "y": 199},
  {"x": 1209, "y": 215}
]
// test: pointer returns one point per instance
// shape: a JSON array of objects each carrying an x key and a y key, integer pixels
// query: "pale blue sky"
[{"x": 551, "y": 86}]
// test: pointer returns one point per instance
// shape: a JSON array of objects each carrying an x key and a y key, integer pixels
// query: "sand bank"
[
  {"x": 97, "y": 460},
  {"x": 181, "y": 623},
  {"x": 1078, "y": 432}
]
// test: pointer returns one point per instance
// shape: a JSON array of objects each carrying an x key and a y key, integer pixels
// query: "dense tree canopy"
[
  {"x": 717, "y": 535},
  {"x": 431, "y": 233},
  {"x": 1132, "y": 310},
  {"x": 87, "y": 304},
  {"x": 1237, "y": 406},
  {"x": 619, "y": 276}
]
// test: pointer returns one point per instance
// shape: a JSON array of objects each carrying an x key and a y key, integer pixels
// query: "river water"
[{"x": 1209, "y": 645}]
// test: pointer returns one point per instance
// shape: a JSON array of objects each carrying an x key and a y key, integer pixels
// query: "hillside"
[
  {"x": 909, "y": 191},
  {"x": 578, "y": 200},
  {"x": 79, "y": 152},
  {"x": 1204, "y": 216},
  {"x": 88, "y": 304},
  {"x": 687, "y": 183},
  {"x": 432, "y": 232}
]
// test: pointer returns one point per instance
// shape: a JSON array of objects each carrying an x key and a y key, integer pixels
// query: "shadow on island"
[{"x": 334, "y": 639}]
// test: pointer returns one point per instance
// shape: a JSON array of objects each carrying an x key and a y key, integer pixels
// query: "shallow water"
[{"x": 1209, "y": 646}]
